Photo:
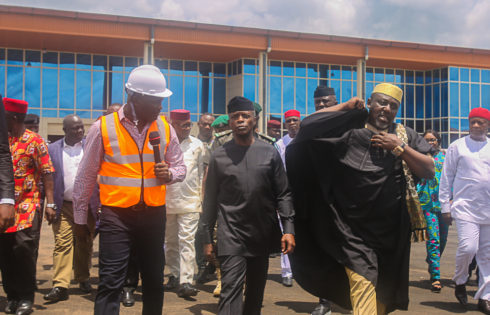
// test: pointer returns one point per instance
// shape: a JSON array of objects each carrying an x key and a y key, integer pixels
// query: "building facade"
[{"x": 67, "y": 62}]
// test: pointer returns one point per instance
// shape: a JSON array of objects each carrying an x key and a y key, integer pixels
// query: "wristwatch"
[
  {"x": 52, "y": 205},
  {"x": 399, "y": 149}
]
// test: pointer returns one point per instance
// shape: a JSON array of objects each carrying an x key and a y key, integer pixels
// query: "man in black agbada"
[
  {"x": 350, "y": 190},
  {"x": 246, "y": 183}
]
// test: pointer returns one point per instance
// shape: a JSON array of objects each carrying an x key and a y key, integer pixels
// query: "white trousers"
[
  {"x": 473, "y": 239},
  {"x": 180, "y": 253}
]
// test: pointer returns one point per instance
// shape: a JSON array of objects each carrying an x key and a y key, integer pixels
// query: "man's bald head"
[{"x": 73, "y": 128}]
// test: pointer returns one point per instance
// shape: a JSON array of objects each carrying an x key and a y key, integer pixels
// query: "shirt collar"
[{"x": 71, "y": 146}]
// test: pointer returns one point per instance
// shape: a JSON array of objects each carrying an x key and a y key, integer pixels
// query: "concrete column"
[
  {"x": 361, "y": 78},
  {"x": 263, "y": 90}
]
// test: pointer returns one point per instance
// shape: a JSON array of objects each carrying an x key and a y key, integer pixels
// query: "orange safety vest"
[{"x": 126, "y": 175}]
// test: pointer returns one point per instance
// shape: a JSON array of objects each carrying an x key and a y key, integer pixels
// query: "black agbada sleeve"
[
  {"x": 6, "y": 168},
  {"x": 210, "y": 204},
  {"x": 283, "y": 194}
]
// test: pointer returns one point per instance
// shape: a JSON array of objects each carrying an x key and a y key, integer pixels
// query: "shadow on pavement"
[
  {"x": 307, "y": 307},
  {"x": 197, "y": 309},
  {"x": 452, "y": 307}
]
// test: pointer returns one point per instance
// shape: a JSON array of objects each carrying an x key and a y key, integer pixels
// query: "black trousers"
[
  {"x": 18, "y": 258},
  {"x": 120, "y": 231},
  {"x": 132, "y": 275},
  {"x": 235, "y": 271}
]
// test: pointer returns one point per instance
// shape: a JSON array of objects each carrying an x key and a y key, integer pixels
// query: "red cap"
[
  {"x": 480, "y": 112},
  {"x": 180, "y": 114},
  {"x": 273, "y": 123},
  {"x": 292, "y": 112},
  {"x": 16, "y": 106}
]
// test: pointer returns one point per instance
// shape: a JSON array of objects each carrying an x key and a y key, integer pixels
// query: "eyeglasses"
[{"x": 431, "y": 140}]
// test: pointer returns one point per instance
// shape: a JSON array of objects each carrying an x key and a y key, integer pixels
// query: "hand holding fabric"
[{"x": 387, "y": 141}]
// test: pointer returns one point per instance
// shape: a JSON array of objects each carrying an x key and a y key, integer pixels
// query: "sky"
[{"x": 463, "y": 23}]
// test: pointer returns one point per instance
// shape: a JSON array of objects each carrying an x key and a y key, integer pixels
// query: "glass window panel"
[
  {"x": 453, "y": 137},
  {"x": 35, "y": 111},
  {"x": 409, "y": 76},
  {"x": 485, "y": 76},
  {"x": 410, "y": 124},
  {"x": 176, "y": 67},
  {"x": 206, "y": 92},
  {"x": 409, "y": 103},
  {"x": 335, "y": 73},
  {"x": 190, "y": 68},
  {"x": 312, "y": 84},
  {"x": 464, "y": 74},
  {"x": 369, "y": 74},
  {"x": 67, "y": 61},
  {"x": 444, "y": 125},
  {"x": 162, "y": 64},
  {"x": 275, "y": 94},
  {"x": 324, "y": 71},
  {"x": 50, "y": 88},
  {"x": 390, "y": 75},
  {"x": 445, "y": 141},
  {"x": 205, "y": 68},
  {"x": 15, "y": 57},
  {"x": 84, "y": 82},
  {"x": 453, "y": 74},
  {"x": 312, "y": 70},
  {"x": 15, "y": 82},
  {"x": 116, "y": 63},
  {"x": 444, "y": 74},
  {"x": 287, "y": 94},
  {"x": 335, "y": 84},
  {"x": 64, "y": 113},
  {"x": 419, "y": 126},
  {"x": 428, "y": 77},
  {"x": 436, "y": 107},
  {"x": 33, "y": 58},
  {"x": 436, "y": 125},
  {"x": 428, "y": 124},
  {"x": 239, "y": 67},
  {"x": 67, "y": 88},
  {"x": 379, "y": 75},
  {"x": 275, "y": 68},
  {"x": 346, "y": 73},
  {"x": 2, "y": 56},
  {"x": 444, "y": 100},
  {"x": 419, "y": 77},
  {"x": 49, "y": 113},
  {"x": 249, "y": 66},
  {"x": 485, "y": 95},
  {"x": 98, "y": 90},
  {"x": 230, "y": 69},
  {"x": 219, "y": 96},
  {"x": 100, "y": 62},
  {"x": 369, "y": 89},
  {"x": 33, "y": 86},
  {"x": 249, "y": 87},
  {"x": 2, "y": 80},
  {"x": 191, "y": 100},
  {"x": 464, "y": 99},
  {"x": 401, "y": 109},
  {"x": 131, "y": 62},
  {"x": 219, "y": 70},
  {"x": 419, "y": 99},
  {"x": 465, "y": 125},
  {"x": 454, "y": 97},
  {"x": 117, "y": 87},
  {"x": 84, "y": 62},
  {"x": 300, "y": 95},
  {"x": 399, "y": 77},
  {"x": 346, "y": 90},
  {"x": 300, "y": 69},
  {"x": 175, "y": 84},
  {"x": 475, "y": 95},
  {"x": 436, "y": 76},
  {"x": 84, "y": 114},
  {"x": 354, "y": 88},
  {"x": 475, "y": 75},
  {"x": 288, "y": 69},
  {"x": 428, "y": 101}
]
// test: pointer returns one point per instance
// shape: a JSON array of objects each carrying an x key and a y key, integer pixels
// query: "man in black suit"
[{"x": 7, "y": 210}]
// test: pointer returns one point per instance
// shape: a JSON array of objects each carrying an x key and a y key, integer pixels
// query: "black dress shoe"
[
  {"x": 172, "y": 283},
  {"x": 460, "y": 294},
  {"x": 187, "y": 290},
  {"x": 322, "y": 309},
  {"x": 85, "y": 286},
  {"x": 202, "y": 275},
  {"x": 57, "y": 294},
  {"x": 11, "y": 306},
  {"x": 128, "y": 297},
  {"x": 484, "y": 306},
  {"x": 287, "y": 281},
  {"x": 24, "y": 308}
]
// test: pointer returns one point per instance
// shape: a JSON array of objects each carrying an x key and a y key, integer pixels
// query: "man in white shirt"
[
  {"x": 292, "y": 120},
  {"x": 465, "y": 181},
  {"x": 70, "y": 251},
  {"x": 183, "y": 209}
]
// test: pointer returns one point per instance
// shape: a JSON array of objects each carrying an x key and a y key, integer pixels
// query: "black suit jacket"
[{"x": 6, "y": 168}]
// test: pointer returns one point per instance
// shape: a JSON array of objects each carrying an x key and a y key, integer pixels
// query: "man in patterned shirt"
[{"x": 19, "y": 244}]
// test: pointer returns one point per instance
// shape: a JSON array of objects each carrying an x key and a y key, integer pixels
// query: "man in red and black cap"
[
  {"x": 19, "y": 243},
  {"x": 464, "y": 194},
  {"x": 274, "y": 129},
  {"x": 184, "y": 209}
]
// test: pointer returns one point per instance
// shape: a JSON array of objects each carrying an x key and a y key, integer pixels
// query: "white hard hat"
[{"x": 148, "y": 80}]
